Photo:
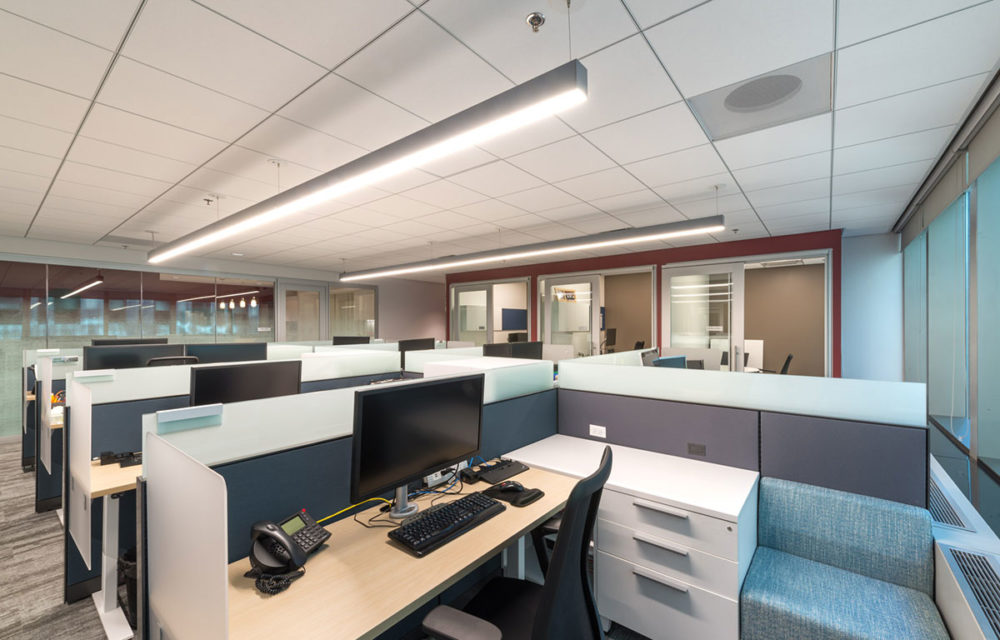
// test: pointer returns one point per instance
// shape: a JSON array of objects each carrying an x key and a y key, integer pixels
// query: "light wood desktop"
[
  {"x": 361, "y": 584},
  {"x": 107, "y": 479}
]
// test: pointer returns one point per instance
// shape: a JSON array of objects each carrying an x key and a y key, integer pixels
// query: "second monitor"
[{"x": 249, "y": 381}]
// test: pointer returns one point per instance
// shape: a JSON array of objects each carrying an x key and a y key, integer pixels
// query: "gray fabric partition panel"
[
  {"x": 512, "y": 424},
  {"x": 341, "y": 383},
  {"x": 721, "y": 435},
  {"x": 272, "y": 487},
  {"x": 878, "y": 460},
  {"x": 117, "y": 426}
]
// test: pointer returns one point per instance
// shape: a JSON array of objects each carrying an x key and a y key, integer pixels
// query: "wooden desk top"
[
  {"x": 112, "y": 478},
  {"x": 29, "y": 397},
  {"x": 362, "y": 584}
]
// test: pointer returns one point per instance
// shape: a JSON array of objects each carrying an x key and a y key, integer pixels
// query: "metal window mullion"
[{"x": 972, "y": 348}]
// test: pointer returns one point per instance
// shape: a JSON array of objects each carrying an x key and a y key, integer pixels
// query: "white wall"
[
  {"x": 507, "y": 295},
  {"x": 411, "y": 309},
  {"x": 872, "y": 308}
]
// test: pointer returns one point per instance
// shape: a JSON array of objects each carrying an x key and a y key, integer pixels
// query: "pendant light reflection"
[{"x": 253, "y": 302}]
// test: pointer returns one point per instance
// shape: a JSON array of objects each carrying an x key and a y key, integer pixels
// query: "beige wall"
[
  {"x": 784, "y": 308},
  {"x": 628, "y": 308},
  {"x": 411, "y": 309}
]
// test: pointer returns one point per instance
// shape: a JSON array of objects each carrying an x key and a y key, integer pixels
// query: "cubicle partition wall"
[
  {"x": 244, "y": 468},
  {"x": 30, "y": 408},
  {"x": 50, "y": 372},
  {"x": 863, "y": 436},
  {"x": 416, "y": 361}
]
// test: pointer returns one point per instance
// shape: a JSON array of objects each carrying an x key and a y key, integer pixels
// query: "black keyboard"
[
  {"x": 500, "y": 470},
  {"x": 429, "y": 530}
]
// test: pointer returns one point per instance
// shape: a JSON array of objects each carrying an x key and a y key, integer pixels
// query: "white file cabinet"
[{"x": 674, "y": 537}]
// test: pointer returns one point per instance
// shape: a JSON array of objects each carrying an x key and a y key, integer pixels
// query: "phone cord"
[{"x": 274, "y": 583}]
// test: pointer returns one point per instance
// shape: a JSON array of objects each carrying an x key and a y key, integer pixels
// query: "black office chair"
[
  {"x": 166, "y": 361},
  {"x": 695, "y": 364},
  {"x": 784, "y": 367},
  {"x": 562, "y": 609},
  {"x": 639, "y": 344}
]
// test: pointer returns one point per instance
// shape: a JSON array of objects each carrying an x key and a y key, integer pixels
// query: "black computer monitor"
[
  {"x": 127, "y": 356},
  {"x": 531, "y": 350},
  {"x": 499, "y": 349},
  {"x": 648, "y": 357},
  {"x": 108, "y": 342},
  {"x": 405, "y": 432},
  {"x": 610, "y": 336},
  {"x": 414, "y": 344},
  {"x": 246, "y": 381},
  {"x": 229, "y": 352},
  {"x": 352, "y": 339},
  {"x": 518, "y": 336}
]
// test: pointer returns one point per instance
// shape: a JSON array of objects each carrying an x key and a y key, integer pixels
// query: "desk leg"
[
  {"x": 116, "y": 627},
  {"x": 513, "y": 559}
]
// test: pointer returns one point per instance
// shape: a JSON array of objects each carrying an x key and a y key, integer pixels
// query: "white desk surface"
[{"x": 712, "y": 489}]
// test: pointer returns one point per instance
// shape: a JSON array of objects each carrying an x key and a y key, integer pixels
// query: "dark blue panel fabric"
[
  {"x": 515, "y": 423},
  {"x": 117, "y": 426}
]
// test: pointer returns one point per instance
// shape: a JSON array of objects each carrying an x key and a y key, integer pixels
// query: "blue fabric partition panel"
[
  {"x": 701, "y": 432},
  {"x": 341, "y": 383},
  {"x": 878, "y": 460},
  {"x": 272, "y": 487},
  {"x": 515, "y": 423},
  {"x": 117, "y": 426}
]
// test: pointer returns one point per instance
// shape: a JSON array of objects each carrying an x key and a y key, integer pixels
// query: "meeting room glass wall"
[{"x": 353, "y": 311}]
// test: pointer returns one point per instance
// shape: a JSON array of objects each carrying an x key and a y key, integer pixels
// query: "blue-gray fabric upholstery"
[
  {"x": 833, "y": 565},
  {"x": 877, "y": 538},
  {"x": 786, "y": 596}
]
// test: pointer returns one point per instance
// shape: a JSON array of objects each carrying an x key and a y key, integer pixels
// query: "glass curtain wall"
[
  {"x": 988, "y": 342},
  {"x": 352, "y": 311}
]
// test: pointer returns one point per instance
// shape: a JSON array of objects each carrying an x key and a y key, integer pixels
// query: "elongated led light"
[
  {"x": 546, "y": 95},
  {"x": 228, "y": 295},
  {"x": 97, "y": 281},
  {"x": 586, "y": 243}
]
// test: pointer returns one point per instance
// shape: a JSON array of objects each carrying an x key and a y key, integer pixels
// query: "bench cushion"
[
  {"x": 785, "y": 596},
  {"x": 877, "y": 538}
]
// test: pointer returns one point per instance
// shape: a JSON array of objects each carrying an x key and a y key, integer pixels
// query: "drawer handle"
[
  {"x": 662, "y": 544},
  {"x": 657, "y": 578},
  {"x": 662, "y": 508}
]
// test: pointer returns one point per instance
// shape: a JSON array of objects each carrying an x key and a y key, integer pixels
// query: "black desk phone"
[{"x": 278, "y": 551}]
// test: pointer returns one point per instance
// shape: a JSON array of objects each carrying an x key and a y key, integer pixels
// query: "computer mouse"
[{"x": 510, "y": 486}]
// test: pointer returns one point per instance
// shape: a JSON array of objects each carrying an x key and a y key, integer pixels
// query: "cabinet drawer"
[
  {"x": 671, "y": 558},
  {"x": 660, "y": 606},
  {"x": 691, "y": 529}
]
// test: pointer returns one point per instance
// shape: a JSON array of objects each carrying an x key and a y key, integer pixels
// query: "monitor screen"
[
  {"x": 671, "y": 362},
  {"x": 106, "y": 342},
  {"x": 610, "y": 337},
  {"x": 231, "y": 352},
  {"x": 499, "y": 350},
  {"x": 127, "y": 356},
  {"x": 520, "y": 336},
  {"x": 352, "y": 339},
  {"x": 248, "y": 381},
  {"x": 404, "y": 432},
  {"x": 531, "y": 350}
]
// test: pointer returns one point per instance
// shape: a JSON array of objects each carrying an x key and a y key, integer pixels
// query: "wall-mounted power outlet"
[{"x": 598, "y": 431}]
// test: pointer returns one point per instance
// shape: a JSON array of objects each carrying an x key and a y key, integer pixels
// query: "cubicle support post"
[{"x": 116, "y": 627}]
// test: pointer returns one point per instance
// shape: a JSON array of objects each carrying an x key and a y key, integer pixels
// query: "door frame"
[
  {"x": 281, "y": 289},
  {"x": 736, "y": 313},
  {"x": 452, "y": 321},
  {"x": 544, "y": 306}
]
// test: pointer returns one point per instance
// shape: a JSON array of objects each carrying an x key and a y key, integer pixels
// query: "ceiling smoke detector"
[
  {"x": 763, "y": 93},
  {"x": 535, "y": 20}
]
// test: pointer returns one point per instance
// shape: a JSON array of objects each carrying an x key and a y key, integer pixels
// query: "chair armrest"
[{"x": 448, "y": 623}]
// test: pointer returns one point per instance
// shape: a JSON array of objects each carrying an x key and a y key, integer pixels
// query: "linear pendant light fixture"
[
  {"x": 621, "y": 237},
  {"x": 96, "y": 281},
  {"x": 538, "y": 98}
]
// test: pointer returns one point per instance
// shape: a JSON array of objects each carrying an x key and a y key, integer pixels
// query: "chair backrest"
[
  {"x": 166, "y": 361},
  {"x": 784, "y": 367},
  {"x": 567, "y": 608},
  {"x": 639, "y": 344}
]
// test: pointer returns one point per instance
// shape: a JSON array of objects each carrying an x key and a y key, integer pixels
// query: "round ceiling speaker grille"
[{"x": 763, "y": 93}]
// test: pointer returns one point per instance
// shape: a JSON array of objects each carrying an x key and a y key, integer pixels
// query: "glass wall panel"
[
  {"x": 302, "y": 315},
  {"x": 915, "y": 310},
  {"x": 352, "y": 312},
  {"x": 244, "y": 310},
  {"x": 87, "y": 303},
  {"x": 22, "y": 326},
  {"x": 988, "y": 307},
  {"x": 947, "y": 320},
  {"x": 180, "y": 308}
]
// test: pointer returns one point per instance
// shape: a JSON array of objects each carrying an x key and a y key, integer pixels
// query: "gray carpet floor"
[{"x": 31, "y": 558}]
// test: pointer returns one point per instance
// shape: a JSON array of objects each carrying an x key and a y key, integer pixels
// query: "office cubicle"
[{"x": 51, "y": 372}]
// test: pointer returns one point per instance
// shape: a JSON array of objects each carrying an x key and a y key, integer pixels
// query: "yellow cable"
[{"x": 351, "y": 507}]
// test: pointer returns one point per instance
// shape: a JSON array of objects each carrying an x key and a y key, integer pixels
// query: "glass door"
[
  {"x": 571, "y": 308},
  {"x": 304, "y": 312},
  {"x": 703, "y": 315},
  {"x": 470, "y": 320}
]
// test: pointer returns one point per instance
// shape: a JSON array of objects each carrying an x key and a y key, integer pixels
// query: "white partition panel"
[
  {"x": 505, "y": 377},
  {"x": 79, "y": 398},
  {"x": 326, "y": 365},
  {"x": 558, "y": 352},
  {"x": 124, "y": 385},
  {"x": 902, "y": 403},
  {"x": 416, "y": 361},
  {"x": 372, "y": 346},
  {"x": 43, "y": 373},
  {"x": 186, "y": 507},
  {"x": 263, "y": 426},
  {"x": 287, "y": 351},
  {"x": 627, "y": 358},
  {"x": 31, "y": 356},
  {"x": 459, "y": 344}
]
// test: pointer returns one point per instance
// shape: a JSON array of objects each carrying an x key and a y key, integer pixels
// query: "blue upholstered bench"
[{"x": 835, "y": 565}]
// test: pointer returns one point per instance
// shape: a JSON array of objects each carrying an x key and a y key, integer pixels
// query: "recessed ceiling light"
[{"x": 237, "y": 254}]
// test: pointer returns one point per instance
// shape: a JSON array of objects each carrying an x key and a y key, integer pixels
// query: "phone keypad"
[{"x": 311, "y": 536}]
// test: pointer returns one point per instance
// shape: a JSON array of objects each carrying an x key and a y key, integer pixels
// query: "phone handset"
[{"x": 275, "y": 558}]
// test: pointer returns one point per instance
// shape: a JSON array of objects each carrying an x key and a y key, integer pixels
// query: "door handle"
[
  {"x": 662, "y": 544},
  {"x": 662, "y": 508},
  {"x": 660, "y": 579}
]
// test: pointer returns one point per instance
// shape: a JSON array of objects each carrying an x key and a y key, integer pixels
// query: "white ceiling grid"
[{"x": 122, "y": 118}]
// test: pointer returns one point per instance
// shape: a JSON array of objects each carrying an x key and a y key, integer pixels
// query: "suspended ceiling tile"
[
  {"x": 623, "y": 80},
  {"x": 794, "y": 139},
  {"x": 651, "y": 134},
  {"x": 89, "y": 207},
  {"x": 29, "y": 102},
  {"x": 325, "y": 32},
  {"x": 458, "y": 162},
  {"x": 650, "y": 217},
  {"x": 650, "y": 12},
  {"x": 562, "y": 160},
  {"x": 100, "y": 195},
  {"x": 874, "y": 197},
  {"x": 211, "y": 182},
  {"x": 569, "y": 212},
  {"x": 448, "y": 220},
  {"x": 706, "y": 187},
  {"x": 496, "y": 179},
  {"x": 920, "y": 56},
  {"x": 444, "y": 194},
  {"x": 790, "y": 193},
  {"x": 859, "y": 20},
  {"x": 365, "y": 217},
  {"x": 922, "y": 145},
  {"x": 145, "y": 91},
  {"x": 33, "y": 138},
  {"x": 407, "y": 67},
  {"x": 39, "y": 54},
  {"x": 794, "y": 209},
  {"x": 112, "y": 180},
  {"x": 283, "y": 139},
  {"x": 539, "y": 199},
  {"x": 774, "y": 174},
  {"x": 137, "y": 132},
  {"x": 254, "y": 165},
  {"x": 901, "y": 174},
  {"x": 531, "y": 137},
  {"x": 34, "y": 164},
  {"x": 725, "y": 41},
  {"x": 550, "y": 231},
  {"x": 928, "y": 108},
  {"x": 100, "y": 23},
  {"x": 122, "y": 159},
  {"x": 601, "y": 184},
  {"x": 21, "y": 196},
  {"x": 625, "y": 202},
  {"x": 521, "y": 222},
  {"x": 711, "y": 207},
  {"x": 492, "y": 210},
  {"x": 401, "y": 207},
  {"x": 679, "y": 166}
]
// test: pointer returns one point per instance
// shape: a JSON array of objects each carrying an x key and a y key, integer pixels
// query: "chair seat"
[
  {"x": 785, "y": 596},
  {"x": 509, "y": 604}
]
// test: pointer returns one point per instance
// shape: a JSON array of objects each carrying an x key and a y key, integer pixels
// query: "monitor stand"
[{"x": 402, "y": 508}]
